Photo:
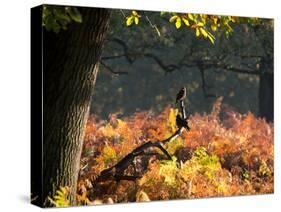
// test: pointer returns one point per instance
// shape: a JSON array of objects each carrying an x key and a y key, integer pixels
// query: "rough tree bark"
[{"x": 71, "y": 60}]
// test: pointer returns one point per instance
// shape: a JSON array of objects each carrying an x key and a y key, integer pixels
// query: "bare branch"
[
  {"x": 154, "y": 26},
  {"x": 167, "y": 68},
  {"x": 124, "y": 47},
  {"x": 235, "y": 69},
  {"x": 112, "y": 71},
  {"x": 202, "y": 69},
  {"x": 193, "y": 62},
  {"x": 122, "y": 12},
  {"x": 113, "y": 57}
]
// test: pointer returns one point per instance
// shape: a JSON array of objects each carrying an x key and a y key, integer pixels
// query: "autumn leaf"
[
  {"x": 129, "y": 20},
  {"x": 173, "y": 18},
  {"x": 197, "y": 32},
  {"x": 136, "y": 20},
  {"x": 209, "y": 160},
  {"x": 178, "y": 23},
  {"x": 186, "y": 22}
]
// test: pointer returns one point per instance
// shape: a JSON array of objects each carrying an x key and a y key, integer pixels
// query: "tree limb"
[
  {"x": 112, "y": 71},
  {"x": 116, "y": 172}
]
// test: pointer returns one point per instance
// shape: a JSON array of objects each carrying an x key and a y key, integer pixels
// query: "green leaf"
[
  {"x": 51, "y": 24},
  {"x": 75, "y": 14},
  {"x": 61, "y": 14}
]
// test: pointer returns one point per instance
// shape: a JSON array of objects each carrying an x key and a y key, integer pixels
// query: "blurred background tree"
[{"x": 143, "y": 65}]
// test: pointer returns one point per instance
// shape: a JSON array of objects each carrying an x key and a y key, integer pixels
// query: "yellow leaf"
[
  {"x": 121, "y": 124},
  {"x": 210, "y": 35},
  {"x": 178, "y": 23},
  {"x": 203, "y": 18},
  {"x": 134, "y": 13},
  {"x": 211, "y": 38},
  {"x": 197, "y": 32},
  {"x": 190, "y": 16},
  {"x": 173, "y": 18},
  {"x": 129, "y": 20},
  {"x": 172, "y": 119},
  {"x": 136, "y": 20},
  {"x": 214, "y": 27},
  {"x": 215, "y": 20},
  {"x": 186, "y": 22},
  {"x": 200, "y": 24},
  {"x": 141, "y": 196},
  {"x": 203, "y": 32}
]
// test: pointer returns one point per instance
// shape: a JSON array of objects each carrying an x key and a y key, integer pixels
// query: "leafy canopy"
[
  {"x": 57, "y": 18},
  {"x": 203, "y": 25}
]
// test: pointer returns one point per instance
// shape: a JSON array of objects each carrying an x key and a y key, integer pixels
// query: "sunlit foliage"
[
  {"x": 224, "y": 154},
  {"x": 57, "y": 18},
  {"x": 61, "y": 198},
  {"x": 133, "y": 18},
  {"x": 203, "y": 25}
]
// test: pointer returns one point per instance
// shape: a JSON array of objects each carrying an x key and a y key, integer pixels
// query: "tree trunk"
[
  {"x": 266, "y": 96},
  {"x": 70, "y": 63},
  {"x": 266, "y": 89}
]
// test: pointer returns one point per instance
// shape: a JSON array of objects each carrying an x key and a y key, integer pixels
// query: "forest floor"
[{"x": 217, "y": 157}]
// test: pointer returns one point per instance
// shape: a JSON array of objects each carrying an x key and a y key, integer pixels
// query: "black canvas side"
[{"x": 36, "y": 106}]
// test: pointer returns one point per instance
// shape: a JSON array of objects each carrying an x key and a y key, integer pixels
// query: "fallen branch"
[{"x": 116, "y": 172}]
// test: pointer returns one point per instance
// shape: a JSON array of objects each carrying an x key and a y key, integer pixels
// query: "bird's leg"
[{"x": 183, "y": 109}]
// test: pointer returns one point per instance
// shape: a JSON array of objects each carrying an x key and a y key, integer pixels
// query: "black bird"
[
  {"x": 182, "y": 122},
  {"x": 181, "y": 94}
]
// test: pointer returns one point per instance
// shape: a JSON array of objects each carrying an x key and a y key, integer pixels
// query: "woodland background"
[
  {"x": 229, "y": 150},
  {"x": 151, "y": 69},
  {"x": 224, "y": 157},
  {"x": 17, "y": 198}
]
